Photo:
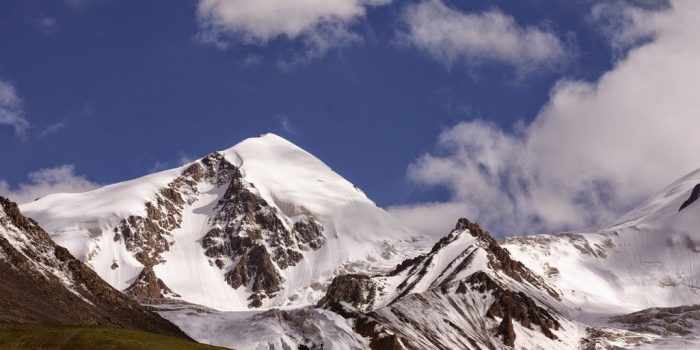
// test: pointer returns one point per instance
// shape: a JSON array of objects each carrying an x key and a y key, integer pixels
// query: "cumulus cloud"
[
  {"x": 60, "y": 179},
  {"x": 320, "y": 24},
  {"x": 594, "y": 150},
  {"x": 450, "y": 36},
  {"x": 11, "y": 112}
]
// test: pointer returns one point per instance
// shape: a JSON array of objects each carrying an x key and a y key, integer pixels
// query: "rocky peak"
[
  {"x": 500, "y": 259},
  {"x": 12, "y": 216},
  {"x": 439, "y": 276},
  {"x": 356, "y": 290}
]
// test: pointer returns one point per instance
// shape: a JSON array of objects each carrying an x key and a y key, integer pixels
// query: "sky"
[{"x": 527, "y": 116}]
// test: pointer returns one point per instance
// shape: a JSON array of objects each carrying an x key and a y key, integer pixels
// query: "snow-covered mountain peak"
[
  {"x": 261, "y": 224},
  {"x": 291, "y": 178},
  {"x": 467, "y": 278}
]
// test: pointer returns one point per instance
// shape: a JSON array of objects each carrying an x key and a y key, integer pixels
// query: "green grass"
[{"x": 49, "y": 337}]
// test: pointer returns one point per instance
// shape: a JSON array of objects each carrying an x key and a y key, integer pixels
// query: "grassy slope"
[{"x": 50, "y": 337}]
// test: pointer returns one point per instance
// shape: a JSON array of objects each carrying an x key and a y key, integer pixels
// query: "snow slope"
[
  {"x": 271, "y": 329},
  {"x": 648, "y": 258}
]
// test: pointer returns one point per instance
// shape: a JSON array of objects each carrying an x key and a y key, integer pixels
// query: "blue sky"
[{"x": 118, "y": 89}]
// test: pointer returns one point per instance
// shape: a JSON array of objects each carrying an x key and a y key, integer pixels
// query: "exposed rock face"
[
  {"x": 147, "y": 285},
  {"x": 505, "y": 329},
  {"x": 510, "y": 306},
  {"x": 693, "y": 197},
  {"x": 247, "y": 239},
  {"x": 355, "y": 289},
  {"x": 368, "y": 325},
  {"x": 150, "y": 235},
  {"x": 654, "y": 327},
  {"x": 252, "y": 242},
  {"x": 255, "y": 265},
  {"x": 42, "y": 282},
  {"x": 663, "y": 321}
]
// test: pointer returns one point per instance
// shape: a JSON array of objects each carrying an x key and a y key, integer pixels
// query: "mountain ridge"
[
  {"x": 264, "y": 246},
  {"x": 43, "y": 282}
]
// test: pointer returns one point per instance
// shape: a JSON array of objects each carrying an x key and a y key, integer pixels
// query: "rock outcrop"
[{"x": 694, "y": 195}]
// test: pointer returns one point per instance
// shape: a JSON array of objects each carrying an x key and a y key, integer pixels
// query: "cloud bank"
[
  {"x": 320, "y": 24},
  {"x": 60, "y": 179},
  {"x": 450, "y": 36},
  {"x": 593, "y": 151}
]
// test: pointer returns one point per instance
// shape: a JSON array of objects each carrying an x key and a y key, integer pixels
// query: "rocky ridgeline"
[
  {"x": 500, "y": 259},
  {"x": 43, "y": 283},
  {"x": 248, "y": 238},
  {"x": 354, "y": 296}
]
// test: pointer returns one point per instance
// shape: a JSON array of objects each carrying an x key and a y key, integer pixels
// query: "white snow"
[{"x": 263, "y": 330}]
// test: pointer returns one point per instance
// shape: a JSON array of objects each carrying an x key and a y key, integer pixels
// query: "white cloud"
[
  {"x": 593, "y": 151},
  {"x": 287, "y": 125},
  {"x": 433, "y": 218},
  {"x": 320, "y": 24},
  {"x": 60, "y": 179},
  {"x": 52, "y": 128},
  {"x": 11, "y": 112},
  {"x": 46, "y": 25},
  {"x": 451, "y": 37}
]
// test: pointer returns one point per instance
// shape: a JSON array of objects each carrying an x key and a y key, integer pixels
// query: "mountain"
[
  {"x": 466, "y": 292},
  {"x": 43, "y": 283},
  {"x": 264, "y": 246},
  {"x": 261, "y": 224}
]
